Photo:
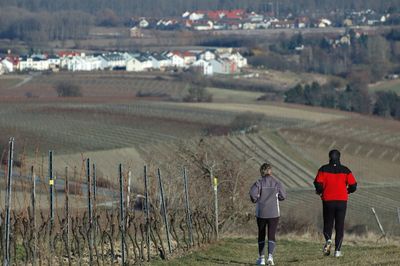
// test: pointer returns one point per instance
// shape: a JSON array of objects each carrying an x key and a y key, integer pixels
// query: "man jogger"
[
  {"x": 266, "y": 193},
  {"x": 333, "y": 183}
]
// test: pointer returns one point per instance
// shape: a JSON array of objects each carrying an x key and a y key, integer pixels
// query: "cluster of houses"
[
  {"x": 224, "y": 20},
  {"x": 207, "y": 62},
  {"x": 240, "y": 19}
]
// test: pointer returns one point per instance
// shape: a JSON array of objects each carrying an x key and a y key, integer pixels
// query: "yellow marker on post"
[
  {"x": 51, "y": 182},
  {"x": 215, "y": 182}
]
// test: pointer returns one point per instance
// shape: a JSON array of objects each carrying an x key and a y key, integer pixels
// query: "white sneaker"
[
  {"x": 261, "y": 260},
  {"x": 270, "y": 260},
  {"x": 337, "y": 254},
  {"x": 327, "y": 247}
]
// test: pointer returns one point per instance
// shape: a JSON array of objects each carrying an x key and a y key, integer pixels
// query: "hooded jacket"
[
  {"x": 266, "y": 193},
  {"x": 334, "y": 181}
]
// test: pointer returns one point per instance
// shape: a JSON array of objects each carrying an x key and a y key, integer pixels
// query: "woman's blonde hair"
[{"x": 264, "y": 169}]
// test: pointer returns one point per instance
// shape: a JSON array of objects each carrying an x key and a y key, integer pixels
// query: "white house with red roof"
[{"x": 10, "y": 63}]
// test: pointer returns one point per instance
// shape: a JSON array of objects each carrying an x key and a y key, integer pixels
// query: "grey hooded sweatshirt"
[{"x": 266, "y": 193}]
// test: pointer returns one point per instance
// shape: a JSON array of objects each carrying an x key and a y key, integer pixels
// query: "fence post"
[
  {"x": 147, "y": 205},
  {"x": 51, "y": 184},
  {"x": 33, "y": 198},
  {"x": 121, "y": 215},
  {"x": 51, "y": 187},
  {"x": 164, "y": 209},
  {"x": 94, "y": 185},
  {"x": 94, "y": 215},
  {"x": 398, "y": 213},
  {"x": 129, "y": 191},
  {"x": 67, "y": 214},
  {"x": 379, "y": 224},
  {"x": 7, "y": 259},
  {"x": 215, "y": 185},
  {"x": 90, "y": 210},
  {"x": 188, "y": 213}
]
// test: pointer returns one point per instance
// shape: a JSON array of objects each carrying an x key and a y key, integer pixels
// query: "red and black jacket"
[{"x": 334, "y": 182}]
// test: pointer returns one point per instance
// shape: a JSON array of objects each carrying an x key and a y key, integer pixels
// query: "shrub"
[
  {"x": 247, "y": 122},
  {"x": 68, "y": 89},
  {"x": 198, "y": 94}
]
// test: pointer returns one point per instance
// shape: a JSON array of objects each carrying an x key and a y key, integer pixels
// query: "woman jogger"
[{"x": 266, "y": 193}]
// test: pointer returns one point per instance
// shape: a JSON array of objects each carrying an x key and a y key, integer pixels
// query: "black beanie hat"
[{"x": 334, "y": 156}]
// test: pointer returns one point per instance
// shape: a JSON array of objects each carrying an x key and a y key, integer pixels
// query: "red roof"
[
  {"x": 235, "y": 14},
  {"x": 183, "y": 54},
  {"x": 67, "y": 53},
  {"x": 215, "y": 15},
  {"x": 218, "y": 14},
  {"x": 187, "y": 54},
  {"x": 13, "y": 59}
]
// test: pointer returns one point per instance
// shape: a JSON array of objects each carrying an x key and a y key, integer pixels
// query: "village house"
[
  {"x": 177, "y": 59},
  {"x": 236, "y": 57},
  {"x": 254, "y": 17},
  {"x": 10, "y": 63},
  {"x": 143, "y": 23},
  {"x": 84, "y": 63},
  {"x": 196, "y": 16},
  {"x": 160, "y": 61},
  {"x": 224, "y": 66},
  {"x": 203, "y": 25},
  {"x": 205, "y": 67},
  {"x": 323, "y": 23},
  {"x": 34, "y": 63},
  {"x": 54, "y": 61},
  {"x": 206, "y": 55},
  {"x": 135, "y": 32},
  {"x": 249, "y": 26},
  {"x": 115, "y": 60},
  {"x": 302, "y": 22},
  {"x": 139, "y": 63}
]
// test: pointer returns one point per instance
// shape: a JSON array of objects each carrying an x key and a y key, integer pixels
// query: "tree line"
[
  {"x": 20, "y": 24},
  {"x": 47, "y": 20},
  {"x": 368, "y": 57},
  {"x": 352, "y": 98},
  {"x": 177, "y": 7}
]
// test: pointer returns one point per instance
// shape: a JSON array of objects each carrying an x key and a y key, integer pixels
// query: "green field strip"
[
  {"x": 306, "y": 174},
  {"x": 280, "y": 171},
  {"x": 376, "y": 148},
  {"x": 224, "y": 143},
  {"x": 283, "y": 162},
  {"x": 119, "y": 136},
  {"x": 368, "y": 200}
]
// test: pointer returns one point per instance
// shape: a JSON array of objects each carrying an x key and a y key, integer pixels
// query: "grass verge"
[{"x": 243, "y": 251}]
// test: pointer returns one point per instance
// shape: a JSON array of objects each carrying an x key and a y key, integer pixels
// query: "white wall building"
[
  {"x": 139, "y": 63},
  {"x": 207, "y": 68},
  {"x": 87, "y": 63},
  {"x": 177, "y": 60},
  {"x": 34, "y": 63},
  {"x": 8, "y": 66},
  {"x": 196, "y": 16}
]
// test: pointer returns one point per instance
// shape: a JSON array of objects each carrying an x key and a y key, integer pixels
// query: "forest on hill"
[{"x": 176, "y": 7}]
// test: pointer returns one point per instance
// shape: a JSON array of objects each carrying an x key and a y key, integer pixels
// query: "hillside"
[{"x": 243, "y": 251}]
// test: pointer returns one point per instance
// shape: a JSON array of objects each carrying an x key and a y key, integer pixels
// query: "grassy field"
[
  {"x": 387, "y": 85},
  {"x": 243, "y": 251},
  {"x": 111, "y": 126},
  {"x": 269, "y": 109},
  {"x": 7, "y": 82}
]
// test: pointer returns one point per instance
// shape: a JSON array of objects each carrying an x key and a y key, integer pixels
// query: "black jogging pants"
[
  {"x": 262, "y": 224},
  {"x": 334, "y": 213}
]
